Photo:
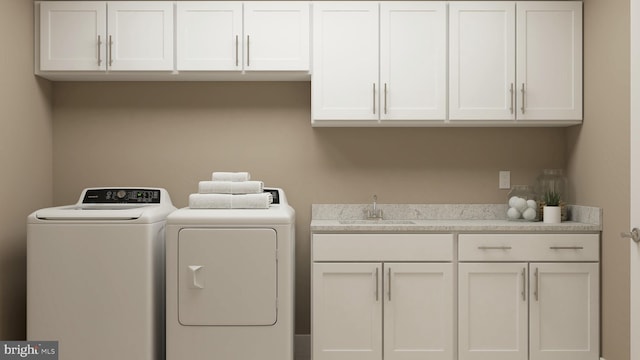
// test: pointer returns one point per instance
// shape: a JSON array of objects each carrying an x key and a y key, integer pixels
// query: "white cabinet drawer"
[
  {"x": 528, "y": 247},
  {"x": 382, "y": 247}
]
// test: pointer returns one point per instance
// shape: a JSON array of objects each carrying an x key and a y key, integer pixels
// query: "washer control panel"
[{"x": 121, "y": 196}]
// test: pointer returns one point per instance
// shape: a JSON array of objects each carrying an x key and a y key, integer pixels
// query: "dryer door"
[{"x": 227, "y": 277}]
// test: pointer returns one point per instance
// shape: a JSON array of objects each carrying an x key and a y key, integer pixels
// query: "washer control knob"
[{"x": 121, "y": 194}]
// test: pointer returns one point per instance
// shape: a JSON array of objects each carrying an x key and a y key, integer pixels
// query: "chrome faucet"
[{"x": 376, "y": 214}]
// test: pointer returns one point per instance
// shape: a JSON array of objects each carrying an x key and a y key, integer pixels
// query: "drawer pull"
[
  {"x": 494, "y": 247},
  {"x": 566, "y": 247}
]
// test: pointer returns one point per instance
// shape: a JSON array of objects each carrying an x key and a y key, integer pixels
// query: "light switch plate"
[{"x": 504, "y": 181}]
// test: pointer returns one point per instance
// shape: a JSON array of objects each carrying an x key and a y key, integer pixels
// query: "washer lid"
[{"x": 92, "y": 212}]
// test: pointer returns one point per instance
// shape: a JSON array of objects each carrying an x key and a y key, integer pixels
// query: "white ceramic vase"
[{"x": 551, "y": 214}]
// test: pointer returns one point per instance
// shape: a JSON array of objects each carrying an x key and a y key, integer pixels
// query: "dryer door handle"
[{"x": 196, "y": 276}]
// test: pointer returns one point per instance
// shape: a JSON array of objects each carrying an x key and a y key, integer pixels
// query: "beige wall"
[
  {"x": 598, "y": 158},
  {"x": 174, "y": 134},
  {"x": 25, "y": 157}
]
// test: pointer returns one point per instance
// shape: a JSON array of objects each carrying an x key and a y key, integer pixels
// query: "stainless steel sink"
[{"x": 375, "y": 222}]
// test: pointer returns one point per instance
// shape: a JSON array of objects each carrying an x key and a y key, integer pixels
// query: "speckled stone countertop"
[{"x": 443, "y": 218}]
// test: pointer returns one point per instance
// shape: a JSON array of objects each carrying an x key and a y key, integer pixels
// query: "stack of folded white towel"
[{"x": 230, "y": 190}]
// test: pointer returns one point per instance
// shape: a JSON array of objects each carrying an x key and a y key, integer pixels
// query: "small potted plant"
[{"x": 552, "y": 211}]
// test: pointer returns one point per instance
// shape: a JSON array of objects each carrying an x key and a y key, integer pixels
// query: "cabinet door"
[
  {"x": 564, "y": 305},
  {"x": 73, "y": 36},
  {"x": 347, "y": 311},
  {"x": 413, "y": 60},
  {"x": 492, "y": 311},
  {"x": 549, "y": 58},
  {"x": 140, "y": 35},
  {"x": 344, "y": 82},
  {"x": 276, "y": 35},
  {"x": 209, "y": 35},
  {"x": 418, "y": 311},
  {"x": 482, "y": 60}
]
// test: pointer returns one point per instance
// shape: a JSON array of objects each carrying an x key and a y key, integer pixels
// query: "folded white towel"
[
  {"x": 226, "y": 201},
  {"x": 230, "y": 176},
  {"x": 230, "y": 187}
]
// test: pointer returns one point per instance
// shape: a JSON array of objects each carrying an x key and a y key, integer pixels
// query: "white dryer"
[
  {"x": 230, "y": 283},
  {"x": 95, "y": 274}
]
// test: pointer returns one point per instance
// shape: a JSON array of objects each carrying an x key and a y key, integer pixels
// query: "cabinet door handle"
[
  {"x": 385, "y": 98},
  {"x": 512, "y": 97},
  {"x": 522, "y": 105},
  {"x": 494, "y": 247},
  {"x": 389, "y": 284},
  {"x": 377, "y": 286},
  {"x": 566, "y": 247},
  {"x": 110, "y": 50},
  {"x": 374, "y": 98},
  {"x": 536, "y": 291},
  {"x": 524, "y": 284},
  {"x": 248, "y": 49},
  {"x": 99, "y": 48},
  {"x": 237, "y": 58}
]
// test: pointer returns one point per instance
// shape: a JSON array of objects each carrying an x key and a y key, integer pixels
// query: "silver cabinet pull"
[
  {"x": 566, "y": 247},
  {"x": 237, "y": 61},
  {"x": 536, "y": 291},
  {"x": 511, "y": 92},
  {"x": 377, "y": 286},
  {"x": 374, "y": 98},
  {"x": 99, "y": 49},
  {"x": 248, "y": 47},
  {"x": 524, "y": 284},
  {"x": 522, "y": 107},
  {"x": 110, "y": 50},
  {"x": 389, "y": 284},
  {"x": 385, "y": 98},
  {"x": 633, "y": 235},
  {"x": 494, "y": 247}
]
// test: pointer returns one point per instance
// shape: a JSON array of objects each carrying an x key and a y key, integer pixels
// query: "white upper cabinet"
[
  {"x": 209, "y": 35},
  {"x": 374, "y": 62},
  {"x": 227, "y": 36},
  {"x": 100, "y": 36},
  {"x": 549, "y": 58},
  {"x": 482, "y": 60},
  {"x": 413, "y": 60},
  {"x": 140, "y": 35},
  {"x": 73, "y": 36},
  {"x": 276, "y": 35},
  {"x": 516, "y": 61},
  {"x": 344, "y": 82}
]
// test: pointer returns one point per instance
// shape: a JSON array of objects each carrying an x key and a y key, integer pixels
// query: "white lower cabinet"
[
  {"x": 544, "y": 307},
  {"x": 564, "y": 311},
  {"x": 418, "y": 311},
  {"x": 383, "y": 309},
  {"x": 492, "y": 311},
  {"x": 347, "y": 311}
]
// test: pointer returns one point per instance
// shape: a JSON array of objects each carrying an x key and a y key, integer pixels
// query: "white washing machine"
[
  {"x": 230, "y": 283},
  {"x": 95, "y": 274}
]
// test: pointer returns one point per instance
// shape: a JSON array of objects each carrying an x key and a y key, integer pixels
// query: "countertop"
[{"x": 444, "y": 218}]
